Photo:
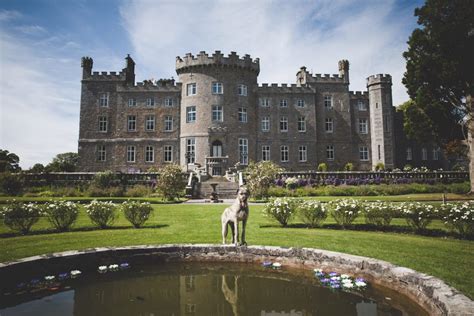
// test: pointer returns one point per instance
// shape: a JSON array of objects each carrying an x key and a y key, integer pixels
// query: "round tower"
[
  {"x": 381, "y": 120},
  {"x": 218, "y": 110}
]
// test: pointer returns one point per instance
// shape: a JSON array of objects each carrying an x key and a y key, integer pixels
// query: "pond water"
[{"x": 198, "y": 289}]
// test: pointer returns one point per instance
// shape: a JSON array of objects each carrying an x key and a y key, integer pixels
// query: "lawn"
[{"x": 446, "y": 258}]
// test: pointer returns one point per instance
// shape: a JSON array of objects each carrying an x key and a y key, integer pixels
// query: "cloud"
[
  {"x": 31, "y": 29},
  {"x": 8, "y": 15},
  {"x": 285, "y": 36},
  {"x": 40, "y": 112}
]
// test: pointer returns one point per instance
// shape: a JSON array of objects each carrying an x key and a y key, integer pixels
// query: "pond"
[{"x": 194, "y": 288}]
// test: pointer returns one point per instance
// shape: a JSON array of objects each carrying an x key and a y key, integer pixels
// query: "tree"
[
  {"x": 66, "y": 162},
  {"x": 37, "y": 168},
  {"x": 9, "y": 162},
  {"x": 440, "y": 69},
  {"x": 260, "y": 176}
]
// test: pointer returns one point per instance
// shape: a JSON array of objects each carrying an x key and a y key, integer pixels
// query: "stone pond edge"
[{"x": 435, "y": 296}]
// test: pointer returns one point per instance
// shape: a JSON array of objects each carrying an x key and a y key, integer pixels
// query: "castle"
[{"x": 217, "y": 115}]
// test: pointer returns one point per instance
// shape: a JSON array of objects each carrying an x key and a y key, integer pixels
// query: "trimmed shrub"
[
  {"x": 418, "y": 215},
  {"x": 345, "y": 211},
  {"x": 291, "y": 183},
  {"x": 260, "y": 176},
  {"x": 104, "y": 179},
  {"x": 171, "y": 183},
  {"x": 379, "y": 213},
  {"x": 20, "y": 216},
  {"x": 139, "y": 190},
  {"x": 136, "y": 213},
  {"x": 102, "y": 214},
  {"x": 312, "y": 213},
  {"x": 459, "y": 217},
  {"x": 322, "y": 167},
  {"x": 349, "y": 166},
  {"x": 281, "y": 210},
  {"x": 61, "y": 214},
  {"x": 95, "y": 191},
  {"x": 380, "y": 166},
  {"x": 11, "y": 183}
]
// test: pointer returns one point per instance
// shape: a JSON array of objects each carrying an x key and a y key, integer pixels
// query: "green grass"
[{"x": 446, "y": 258}]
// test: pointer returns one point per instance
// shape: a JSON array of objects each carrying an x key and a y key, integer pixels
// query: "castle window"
[
  {"x": 264, "y": 102},
  {"x": 168, "y": 152},
  {"x": 328, "y": 101},
  {"x": 132, "y": 123},
  {"x": 132, "y": 102},
  {"x": 243, "y": 115},
  {"x": 191, "y": 89},
  {"x": 265, "y": 124},
  {"x": 329, "y": 125},
  {"x": 150, "y": 102},
  {"x": 150, "y": 123},
  {"x": 424, "y": 154},
  {"x": 217, "y": 113},
  {"x": 284, "y": 103},
  {"x": 361, "y": 105},
  {"x": 301, "y": 124},
  {"x": 436, "y": 152},
  {"x": 242, "y": 90},
  {"x": 265, "y": 153},
  {"x": 284, "y": 153},
  {"x": 409, "y": 154},
  {"x": 149, "y": 154},
  {"x": 190, "y": 150},
  {"x": 363, "y": 126},
  {"x": 131, "y": 153},
  {"x": 169, "y": 102},
  {"x": 283, "y": 124},
  {"x": 244, "y": 151},
  {"x": 102, "y": 123},
  {"x": 101, "y": 153},
  {"x": 330, "y": 152},
  {"x": 104, "y": 99},
  {"x": 363, "y": 153},
  {"x": 168, "y": 123},
  {"x": 302, "y": 154},
  {"x": 217, "y": 88},
  {"x": 190, "y": 114},
  {"x": 300, "y": 103}
]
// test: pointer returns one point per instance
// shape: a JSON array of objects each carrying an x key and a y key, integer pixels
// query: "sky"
[{"x": 42, "y": 42}]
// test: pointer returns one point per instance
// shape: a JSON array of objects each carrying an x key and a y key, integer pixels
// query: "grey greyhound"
[{"x": 238, "y": 211}]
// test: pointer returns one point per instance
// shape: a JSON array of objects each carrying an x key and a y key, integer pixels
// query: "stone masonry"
[{"x": 218, "y": 116}]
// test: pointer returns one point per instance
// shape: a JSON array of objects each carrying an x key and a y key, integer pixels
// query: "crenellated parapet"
[
  {"x": 160, "y": 85},
  {"x": 284, "y": 88},
  {"x": 127, "y": 74},
  {"x": 188, "y": 62},
  {"x": 379, "y": 79},
  {"x": 359, "y": 94},
  {"x": 303, "y": 77},
  {"x": 105, "y": 75}
]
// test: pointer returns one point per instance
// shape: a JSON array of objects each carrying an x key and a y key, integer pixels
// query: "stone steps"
[{"x": 225, "y": 189}]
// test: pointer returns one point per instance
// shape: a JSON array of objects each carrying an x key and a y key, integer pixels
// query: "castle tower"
[
  {"x": 381, "y": 120},
  {"x": 344, "y": 70},
  {"x": 218, "y": 110},
  {"x": 86, "y": 64}
]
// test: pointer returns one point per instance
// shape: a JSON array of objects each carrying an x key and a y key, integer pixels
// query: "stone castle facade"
[{"x": 217, "y": 115}]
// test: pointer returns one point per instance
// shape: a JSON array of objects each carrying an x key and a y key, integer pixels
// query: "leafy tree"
[
  {"x": 37, "y": 168},
  {"x": 66, "y": 162},
  {"x": 171, "y": 182},
  {"x": 440, "y": 70},
  {"x": 260, "y": 176},
  {"x": 9, "y": 162}
]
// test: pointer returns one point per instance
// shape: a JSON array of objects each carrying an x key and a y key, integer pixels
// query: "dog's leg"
[
  {"x": 236, "y": 239},
  {"x": 244, "y": 223},
  {"x": 232, "y": 228},
  {"x": 224, "y": 231}
]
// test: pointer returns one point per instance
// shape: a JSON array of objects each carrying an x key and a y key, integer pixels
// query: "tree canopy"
[
  {"x": 9, "y": 162},
  {"x": 66, "y": 162},
  {"x": 439, "y": 74}
]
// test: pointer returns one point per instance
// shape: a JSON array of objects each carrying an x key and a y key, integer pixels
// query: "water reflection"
[{"x": 204, "y": 290}]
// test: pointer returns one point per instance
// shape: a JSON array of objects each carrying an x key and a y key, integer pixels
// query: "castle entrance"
[{"x": 216, "y": 162}]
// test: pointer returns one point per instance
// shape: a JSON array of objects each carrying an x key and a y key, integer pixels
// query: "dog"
[{"x": 238, "y": 211}]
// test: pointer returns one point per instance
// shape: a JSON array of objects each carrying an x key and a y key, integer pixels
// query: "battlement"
[
  {"x": 284, "y": 88},
  {"x": 379, "y": 79},
  {"x": 104, "y": 75},
  {"x": 127, "y": 74},
  {"x": 155, "y": 85},
  {"x": 358, "y": 94},
  {"x": 203, "y": 59}
]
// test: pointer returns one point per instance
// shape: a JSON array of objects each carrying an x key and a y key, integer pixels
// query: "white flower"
[
  {"x": 102, "y": 268},
  {"x": 360, "y": 284},
  {"x": 49, "y": 277},
  {"x": 75, "y": 273}
]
